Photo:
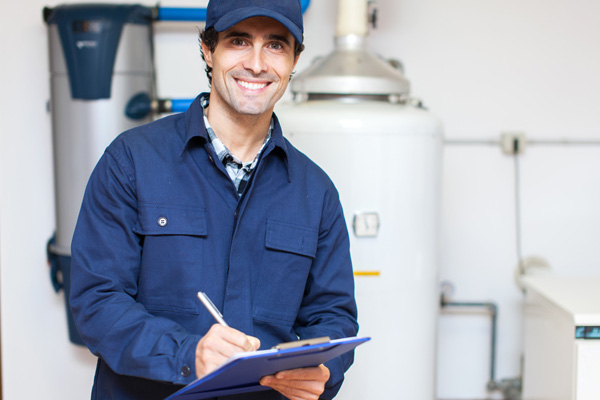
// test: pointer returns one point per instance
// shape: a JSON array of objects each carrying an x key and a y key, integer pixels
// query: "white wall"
[{"x": 482, "y": 66}]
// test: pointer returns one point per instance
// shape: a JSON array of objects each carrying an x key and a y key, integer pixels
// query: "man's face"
[{"x": 251, "y": 66}]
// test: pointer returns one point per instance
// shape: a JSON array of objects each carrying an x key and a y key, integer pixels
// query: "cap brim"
[{"x": 234, "y": 17}]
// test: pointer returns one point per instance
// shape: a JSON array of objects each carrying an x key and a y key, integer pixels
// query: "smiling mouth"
[{"x": 251, "y": 85}]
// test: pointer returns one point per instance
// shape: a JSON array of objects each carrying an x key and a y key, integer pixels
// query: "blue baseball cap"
[{"x": 223, "y": 14}]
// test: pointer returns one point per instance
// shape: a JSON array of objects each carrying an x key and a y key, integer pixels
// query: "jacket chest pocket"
[
  {"x": 289, "y": 253},
  {"x": 175, "y": 257}
]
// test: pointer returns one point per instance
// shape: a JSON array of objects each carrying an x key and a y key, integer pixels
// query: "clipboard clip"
[{"x": 302, "y": 343}]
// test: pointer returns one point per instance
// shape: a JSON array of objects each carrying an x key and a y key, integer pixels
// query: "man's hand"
[
  {"x": 299, "y": 384},
  {"x": 220, "y": 343}
]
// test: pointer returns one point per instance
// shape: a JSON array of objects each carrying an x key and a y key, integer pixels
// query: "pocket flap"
[
  {"x": 292, "y": 238},
  {"x": 156, "y": 219}
]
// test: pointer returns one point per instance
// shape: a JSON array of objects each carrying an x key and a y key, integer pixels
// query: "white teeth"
[{"x": 252, "y": 86}]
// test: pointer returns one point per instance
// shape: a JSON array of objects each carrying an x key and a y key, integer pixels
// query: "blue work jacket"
[{"x": 162, "y": 220}]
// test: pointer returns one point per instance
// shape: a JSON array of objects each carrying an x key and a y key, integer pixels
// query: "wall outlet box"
[{"x": 513, "y": 142}]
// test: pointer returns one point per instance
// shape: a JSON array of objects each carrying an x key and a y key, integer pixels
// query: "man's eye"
[
  {"x": 276, "y": 46},
  {"x": 237, "y": 42}
]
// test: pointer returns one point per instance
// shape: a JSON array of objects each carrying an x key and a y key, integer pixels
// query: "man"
[{"x": 214, "y": 200}]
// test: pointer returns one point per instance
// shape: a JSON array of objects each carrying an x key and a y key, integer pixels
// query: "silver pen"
[{"x": 212, "y": 309}]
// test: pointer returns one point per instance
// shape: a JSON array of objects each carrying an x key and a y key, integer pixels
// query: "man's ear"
[{"x": 207, "y": 54}]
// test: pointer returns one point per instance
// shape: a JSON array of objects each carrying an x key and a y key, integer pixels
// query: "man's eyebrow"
[
  {"x": 280, "y": 38},
  {"x": 237, "y": 34}
]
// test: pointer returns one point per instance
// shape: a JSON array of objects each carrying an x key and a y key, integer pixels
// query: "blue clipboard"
[{"x": 242, "y": 372}]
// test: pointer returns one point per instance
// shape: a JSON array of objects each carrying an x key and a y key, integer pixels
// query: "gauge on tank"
[{"x": 366, "y": 224}]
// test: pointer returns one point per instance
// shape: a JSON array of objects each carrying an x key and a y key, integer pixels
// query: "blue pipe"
[
  {"x": 180, "y": 105},
  {"x": 196, "y": 14},
  {"x": 305, "y": 4},
  {"x": 181, "y": 14},
  {"x": 141, "y": 105}
]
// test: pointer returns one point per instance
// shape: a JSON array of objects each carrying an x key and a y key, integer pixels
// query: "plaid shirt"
[{"x": 238, "y": 171}]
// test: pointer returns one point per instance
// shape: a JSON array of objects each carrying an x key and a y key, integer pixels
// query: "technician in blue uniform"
[{"x": 216, "y": 200}]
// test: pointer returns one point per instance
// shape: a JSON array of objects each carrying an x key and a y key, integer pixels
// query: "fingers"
[
  {"x": 254, "y": 342},
  {"x": 299, "y": 384},
  {"x": 319, "y": 373},
  {"x": 220, "y": 343},
  {"x": 230, "y": 340}
]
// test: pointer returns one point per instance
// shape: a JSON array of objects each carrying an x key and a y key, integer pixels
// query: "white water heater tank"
[{"x": 384, "y": 156}]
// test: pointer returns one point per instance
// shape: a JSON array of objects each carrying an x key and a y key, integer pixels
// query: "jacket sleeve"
[
  {"x": 106, "y": 256},
  {"x": 328, "y": 307}
]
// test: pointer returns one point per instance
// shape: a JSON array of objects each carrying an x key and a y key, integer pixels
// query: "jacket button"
[
  {"x": 162, "y": 221},
  {"x": 185, "y": 371}
]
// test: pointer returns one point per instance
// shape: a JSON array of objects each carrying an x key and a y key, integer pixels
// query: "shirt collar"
[
  {"x": 195, "y": 128},
  {"x": 220, "y": 148}
]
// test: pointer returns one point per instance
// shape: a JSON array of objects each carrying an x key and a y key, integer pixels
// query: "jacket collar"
[{"x": 195, "y": 128}]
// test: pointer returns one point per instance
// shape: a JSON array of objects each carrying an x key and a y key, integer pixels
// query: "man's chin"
[{"x": 252, "y": 109}]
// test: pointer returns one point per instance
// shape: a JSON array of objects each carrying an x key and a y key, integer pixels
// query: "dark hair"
[{"x": 210, "y": 37}]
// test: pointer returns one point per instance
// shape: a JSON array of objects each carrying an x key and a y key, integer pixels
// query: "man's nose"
[{"x": 256, "y": 61}]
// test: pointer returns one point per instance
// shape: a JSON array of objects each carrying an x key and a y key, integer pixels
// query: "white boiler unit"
[
  {"x": 353, "y": 117},
  {"x": 561, "y": 338}
]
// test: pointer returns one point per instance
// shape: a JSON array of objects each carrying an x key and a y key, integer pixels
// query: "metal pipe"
[
  {"x": 493, "y": 310},
  {"x": 539, "y": 142},
  {"x": 353, "y": 17},
  {"x": 471, "y": 142},
  {"x": 194, "y": 14},
  {"x": 563, "y": 142}
]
